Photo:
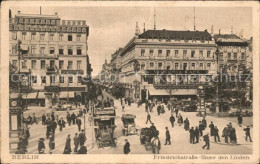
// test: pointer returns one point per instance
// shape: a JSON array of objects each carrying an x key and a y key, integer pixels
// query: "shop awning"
[
  {"x": 41, "y": 95},
  {"x": 30, "y": 95},
  {"x": 65, "y": 94},
  {"x": 166, "y": 92},
  {"x": 14, "y": 95}
]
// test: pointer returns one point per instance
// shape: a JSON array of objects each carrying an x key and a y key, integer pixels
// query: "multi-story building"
[
  {"x": 115, "y": 59},
  {"x": 54, "y": 51},
  {"x": 233, "y": 52},
  {"x": 167, "y": 63}
]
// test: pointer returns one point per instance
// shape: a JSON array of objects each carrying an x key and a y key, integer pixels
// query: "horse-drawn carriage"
[
  {"x": 146, "y": 136},
  {"x": 129, "y": 124}
]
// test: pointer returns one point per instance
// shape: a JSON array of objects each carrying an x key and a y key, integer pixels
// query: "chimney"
[
  {"x": 137, "y": 29},
  {"x": 212, "y": 30},
  {"x": 144, "y": 27},
  {"x": 19, "y": 12},
  {"x": 10, "y": 13},
  {"x": 219, "y": 31},
  {"x": 56, "y": 14}
]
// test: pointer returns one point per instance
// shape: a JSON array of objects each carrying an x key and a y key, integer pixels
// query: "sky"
[{"x": 113, "y": 27}]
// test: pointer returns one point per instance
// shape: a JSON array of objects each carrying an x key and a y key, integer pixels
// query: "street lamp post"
[
  {"x": 217, "y": 87},
  {"x": 20, "y": 84},
  {"x": 68, "y": 86}
]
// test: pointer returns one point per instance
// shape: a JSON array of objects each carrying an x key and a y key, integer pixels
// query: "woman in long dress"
[
  {"x": 180, "y": 120},
  {"x": 233, "y": 136},
  {"x": 67, "y": 149},
  {"x": 186, "y": 124}
]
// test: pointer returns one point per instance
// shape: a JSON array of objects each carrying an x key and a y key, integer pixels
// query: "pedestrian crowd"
[{"x": 52, "y": 121}]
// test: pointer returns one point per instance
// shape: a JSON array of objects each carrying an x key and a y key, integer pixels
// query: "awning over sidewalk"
[
  {"x": 65, "y": 94},
  {"x": 30, "y": 95},
  {"x": 165, "y": 92},
  {"x": 41, "y": 95}
]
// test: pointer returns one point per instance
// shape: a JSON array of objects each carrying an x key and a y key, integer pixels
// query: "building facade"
[
  {"x": 234, "y": 51},
  {"x": 167, "y": 63},
  {"x": 235, "y": 61},
  {"x": 54, "y": 52}
]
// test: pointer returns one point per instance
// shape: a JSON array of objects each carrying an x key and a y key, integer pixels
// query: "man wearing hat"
[
  {"x": 206, "y": 139},
  {"x": 41, "y": 146},
  {"x": 225, "y": 133},
  {"x": 51, "y": 142},
  {"x": 247, "y": 130},
  {"x": 82, "y": 137},
  {"x": 168, "y": 137},
  {"x": 126, "y": 147},
  {"x": 76, "y": 142}
]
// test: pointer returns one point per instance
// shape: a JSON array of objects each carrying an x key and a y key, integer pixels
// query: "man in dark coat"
[
  {"x": 146, "y": 107},
  {"x": 41, "y": 146},
  {"x": 176, "y": 111},
  {"x": 82, "y": 137},
  {"x": 53, "y": 126},
  {"x": 82, "y": 150},
  {"x": 192, "y": 135},
  {"x": 201, "y": 128},
  {"x": 51, "y": 142},
  {"x": 206, "y": 139},
  {"x": 172, "y": 120},
  {"x": 52, "y": 116},
  {"x": 73, "y": 118},
  {"x": 78, "y": 121},
  {"x": 126, "y": 147},
  {"x": 76, "y": 142},
  {"x": 247, "y": 130},
  {"x": 61, "y": 124},
  {"x": 159, "y": 109},
  {"x": 153, "y": 128},
  {"x": 197, "y": 134},
  {"x": 225, "y": 133},
  {"x": 48, "y": 129},
  {"x": 148, "y": 118},
  {"x": 168, "y": 137},
  {"x": 30, "y": 120},
  {"x": 216, "y": 134},
  {"x": 211, "y": 126},
  {"x": 240, "y": 119},
  {"x": 204, "y": 122},
  {"x": 43, "y": 119},
  {"x": 68, "y": 118}
]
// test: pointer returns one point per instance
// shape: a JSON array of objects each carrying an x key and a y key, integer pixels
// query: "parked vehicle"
[{"x": 129, "y": 124}]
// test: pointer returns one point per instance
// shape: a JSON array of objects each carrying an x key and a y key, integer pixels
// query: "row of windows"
[
  {"x": 53, "y": 79},
  {"x": 176, "y": 65},
  {"x": 52, "y": 64},
  {"x": 51, "y": 50},
  {"x": 176, "y": 53},
  {"x": 235, "y": 55},
  {"x": 44, "y": 37}
]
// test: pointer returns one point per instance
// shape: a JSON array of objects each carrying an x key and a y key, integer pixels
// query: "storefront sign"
[
  {"x": 177, "y": 71},
  {"x": 72, "y": 89},
  {"x": 74, "y": 72}
]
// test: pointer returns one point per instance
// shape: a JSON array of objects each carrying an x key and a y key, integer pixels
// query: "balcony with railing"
[
  {"x": 179, "y": 85},
  {"x": 40, "y": 56},
  {"x": 51, "y": 70}
]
